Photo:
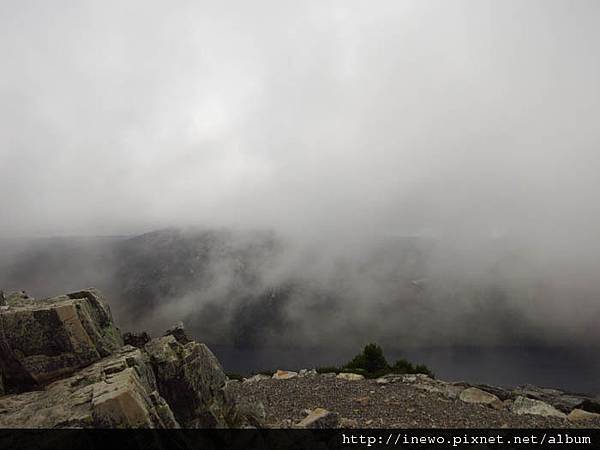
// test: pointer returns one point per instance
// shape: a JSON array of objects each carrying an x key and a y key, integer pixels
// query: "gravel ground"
[{"x": 366, "y": 404}]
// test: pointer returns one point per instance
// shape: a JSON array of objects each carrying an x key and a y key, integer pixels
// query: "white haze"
[{"x": 332, "y": 122}]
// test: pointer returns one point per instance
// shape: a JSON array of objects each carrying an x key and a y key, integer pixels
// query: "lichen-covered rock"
[
  {"x": 190, "y": 379},
  {"x": 475, "y": 395},
  {"x": 116, "y": 392},
  {"x": 523, "y": 405},
  {"x": 42, "y": 340}
]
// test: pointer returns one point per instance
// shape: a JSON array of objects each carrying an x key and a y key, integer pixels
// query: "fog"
[{"x": 339, "y": 125}]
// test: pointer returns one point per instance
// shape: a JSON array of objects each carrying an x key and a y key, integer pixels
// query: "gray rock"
[
  {"x": 320, "y": 418},
  {"x": 523, "y": 405},
  {"x": 190, "y": 379},
  {"x": 42, "y": 340},
  {"x": 475, "y": 395}
]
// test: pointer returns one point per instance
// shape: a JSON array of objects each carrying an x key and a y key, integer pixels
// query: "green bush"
[
  {"x": 422, "y": 368},
  {"x": 371, "y": 359},
  {"x": 403, "y": 366}
]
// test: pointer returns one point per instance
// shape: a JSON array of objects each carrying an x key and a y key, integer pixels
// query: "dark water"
[{"x": 575, "y": 370}]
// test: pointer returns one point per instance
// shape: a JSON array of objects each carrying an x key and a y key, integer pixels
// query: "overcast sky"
[{"x": 396, "y": 117}]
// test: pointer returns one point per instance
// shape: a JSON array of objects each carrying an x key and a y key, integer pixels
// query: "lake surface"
[{"x": 572, "y": 369}]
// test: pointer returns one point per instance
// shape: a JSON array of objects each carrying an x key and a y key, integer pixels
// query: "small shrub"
[
  {"x": 422, "y": 368},
  {"x": 371, "y": 363},
  {"x": 403, "y": 366},
  {"x": 371, "y": 359}
]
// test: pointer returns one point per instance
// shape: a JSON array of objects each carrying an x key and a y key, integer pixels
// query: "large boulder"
[
  {"x": 524, "y": 405},
  {"x": 478, "y": 396},
  {"x": 42, "y": 340},
  {"x": 115, "y": 392},
  {"x": 191, "y": 380}
]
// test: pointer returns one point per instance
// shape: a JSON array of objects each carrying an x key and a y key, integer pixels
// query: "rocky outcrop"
[
  {"x": 63, "y": 362},
  {"x": 117, "y": 392},
  {"x": 42, "y": 340},
  {"x": 192, "y": 381}
]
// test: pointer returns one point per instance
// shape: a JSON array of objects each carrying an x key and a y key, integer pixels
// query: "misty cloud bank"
[
  {"x": 251, "y": 290},
  {"x": 429, "y": 170}
]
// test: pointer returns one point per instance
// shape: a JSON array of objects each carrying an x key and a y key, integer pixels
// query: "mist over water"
[{"x": 419, "y": 174}]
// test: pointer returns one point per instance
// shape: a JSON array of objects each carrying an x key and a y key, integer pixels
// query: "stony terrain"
[{"x": 413, "y": 401}]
